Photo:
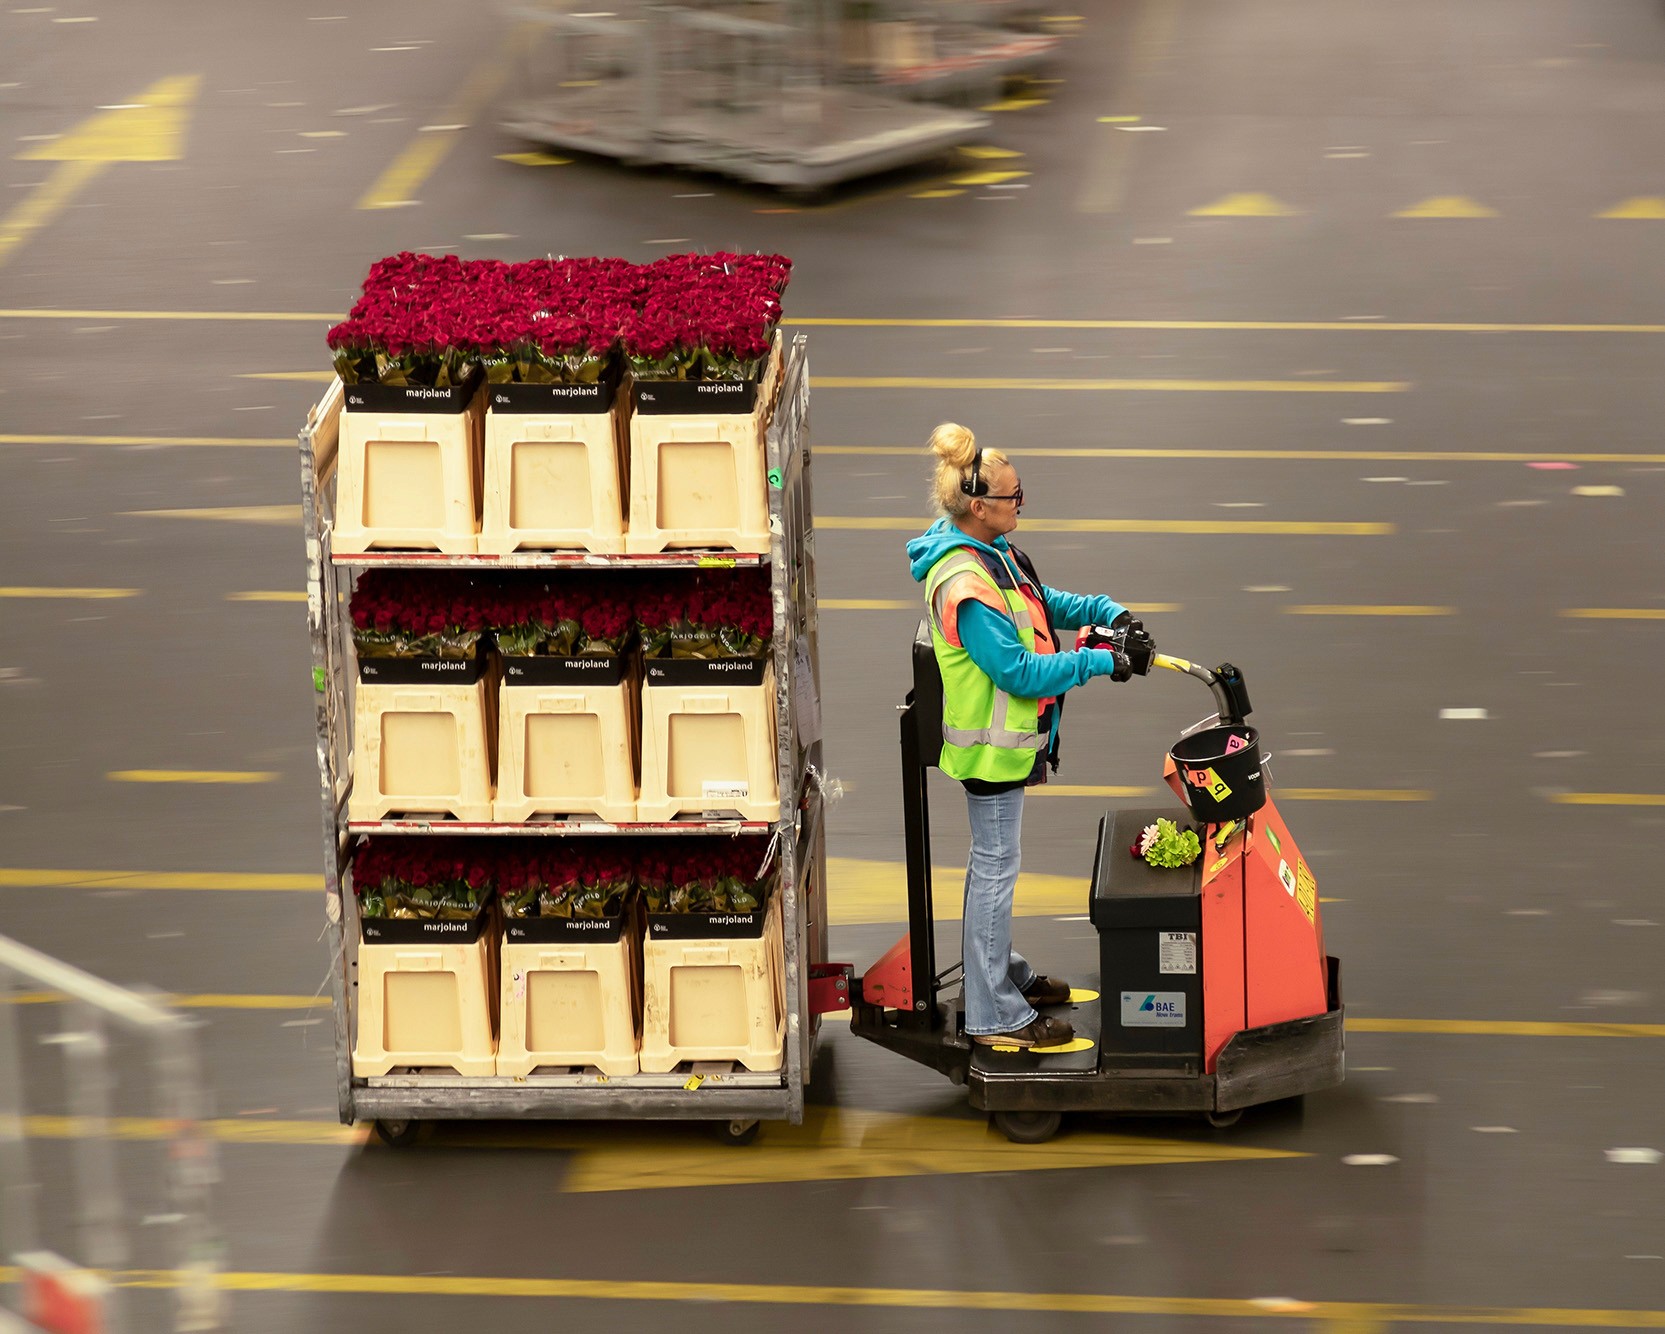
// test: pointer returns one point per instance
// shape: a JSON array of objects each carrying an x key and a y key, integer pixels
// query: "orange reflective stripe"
[{"x": 956, "y": 591}]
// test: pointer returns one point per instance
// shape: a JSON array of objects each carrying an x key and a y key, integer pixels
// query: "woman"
[{"x": 1004, "y": 674}]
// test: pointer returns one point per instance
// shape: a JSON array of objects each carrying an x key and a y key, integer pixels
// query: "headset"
[{"x": 974, "y": 484}]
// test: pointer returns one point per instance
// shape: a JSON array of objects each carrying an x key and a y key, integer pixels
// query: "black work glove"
[{"x": 1140, "y": 647}]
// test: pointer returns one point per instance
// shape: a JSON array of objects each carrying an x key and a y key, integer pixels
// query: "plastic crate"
[
  {"x": 567, "y": 750},
  {"x": 709, "y": 748},
  {"x": 701, "y": 480},
  {"x": 427, "y": 1005},
  {"x": 410, "y": 480},
  {"x": 555, "y": 481},
  {"x": 571, "y": 1003},
  {"x": 423, "y": 750},
  {"x": 716, "y": 999}
]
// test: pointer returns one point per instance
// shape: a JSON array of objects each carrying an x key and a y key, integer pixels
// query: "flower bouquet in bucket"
[
  {"x": 588, "y": 882},
  {"x": 410, "y": 879},
  {"x": 706, "y": 317},
  {"x": 706, "y": 614},
  {"x": 705, "y": 876},
  {"x": 574, "y": 617},
  {"x": 404, "y": 614}
]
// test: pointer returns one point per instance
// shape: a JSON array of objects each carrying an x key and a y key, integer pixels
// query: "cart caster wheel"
[
  {"x": 738, "y": 1133},
  {"x": 1028, "y": 1127},
  {"x": 1221, "y": 1120},
  {"x": 397, "y": 1133}
]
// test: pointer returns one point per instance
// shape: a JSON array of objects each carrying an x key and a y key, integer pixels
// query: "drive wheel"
[
  {"x": 1222, "y": 1120},
  {"x": 398, "y": 1134},
  {"x": 738, "y": 1133},
  {"x": 1028, "y": 1127}
]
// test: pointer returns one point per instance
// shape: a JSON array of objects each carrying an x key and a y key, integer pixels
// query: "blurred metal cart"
[
  {"x": 715, "y": 89},
  {"x": 732, "y": 1097}
]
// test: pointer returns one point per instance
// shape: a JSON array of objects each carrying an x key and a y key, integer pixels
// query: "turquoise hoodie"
[{"x": 992, "y": 639}]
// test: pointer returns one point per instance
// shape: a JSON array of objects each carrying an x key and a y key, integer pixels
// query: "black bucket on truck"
[{"x": 1220, "y": 772}]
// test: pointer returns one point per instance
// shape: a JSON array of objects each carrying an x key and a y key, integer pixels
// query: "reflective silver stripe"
[
  {"x": 996, "y": 734},
  {"x": 969, "y": 564}
]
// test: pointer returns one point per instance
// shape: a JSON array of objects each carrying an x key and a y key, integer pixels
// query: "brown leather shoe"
[
  {"x": 1047, "y": 991},
  {"x": 1043, "y": 1031}
]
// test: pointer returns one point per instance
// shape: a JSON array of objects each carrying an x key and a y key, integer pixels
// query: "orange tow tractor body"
[{"x": 1214, "y": 991}]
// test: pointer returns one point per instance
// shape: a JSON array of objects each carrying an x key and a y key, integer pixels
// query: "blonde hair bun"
[{"x": 954, "y": 445}]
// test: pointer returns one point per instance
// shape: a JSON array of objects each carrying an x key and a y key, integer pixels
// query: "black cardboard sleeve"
[
  {"x": 564, "y": 671},
  {"x": 708, "y": 925},
  {"x": 422, "y": 930},
  {"x": 705, "y": 671},
  {"x": 422, "y": 671},
  {"x": 556, "y": 930},
  {"x": 665, "y": 398},
  {"x": 365, "y": 397},
  {"x": 548, "y": 399}
]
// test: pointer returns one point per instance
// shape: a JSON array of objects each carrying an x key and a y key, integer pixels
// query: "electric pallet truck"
[{"x": 1215, "y": 991}]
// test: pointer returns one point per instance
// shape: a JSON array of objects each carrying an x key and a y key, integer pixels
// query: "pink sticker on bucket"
[{"x": 1236, "y": 743}]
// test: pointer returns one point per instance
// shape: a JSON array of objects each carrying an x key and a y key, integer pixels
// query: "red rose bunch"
[
  {"x": 577, "y": 878},
  {"x": 572, "y": 617},
  {"x": 707, "y": 317},
  {"x": 706, "y": 614},
  {"x": 448, "y": 878},
  {"x": 406, "y": 613},
  {"x": 703, "y": 875}
]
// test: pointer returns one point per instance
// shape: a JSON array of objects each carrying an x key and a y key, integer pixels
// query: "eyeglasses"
[{"x": 1016, "y": 495}]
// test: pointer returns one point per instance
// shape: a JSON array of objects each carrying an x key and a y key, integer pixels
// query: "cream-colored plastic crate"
[
  {"x": 410, "y": 480},
  {"x": 427, "y": 1005},
  {"x": 709, "y": 748},
  {"x": 422, "y": 750},
  {"x": 701, "y": 480},
  {"x": 715, "y": 999},
  {"x": 571, "y": 1003},
  {"x": 555, "y": 481},
  {"x": 567, "y": 750}
]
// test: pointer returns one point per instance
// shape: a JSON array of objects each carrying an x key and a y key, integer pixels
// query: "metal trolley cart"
[{"x": 732, "y": 1097}]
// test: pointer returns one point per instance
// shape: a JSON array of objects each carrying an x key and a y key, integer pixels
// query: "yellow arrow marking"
[
  {"x": 987, "y": 152},
  {"x": 271, "y": 514},
  {"x": 1245, "y": 206},
  {"x": 535, "y": 159},
  {"x": 1645, "y": 207},
  {"x": 1016, "y": 104},
  {"x": 190, "y": 776},
  {"x": 397, "y": 187},
  {"x": 1447, "y": 206},
  {"x": 1240, "y": 527},
  {"x": 151, "y": 129},
  {"x": 987, "y": 177}
]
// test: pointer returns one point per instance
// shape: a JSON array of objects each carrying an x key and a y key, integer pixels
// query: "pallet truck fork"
[{"x": 1217, "y": 994}]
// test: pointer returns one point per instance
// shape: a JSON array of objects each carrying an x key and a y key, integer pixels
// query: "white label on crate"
[
  {"x": 806, "y": 699},
  {"x": 1153, "y": 1009},
  {"x": 716, "y": 789},
  {"x": 1176, "y": 951}
]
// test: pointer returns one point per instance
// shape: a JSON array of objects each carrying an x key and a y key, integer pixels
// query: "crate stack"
[{"x": 471, "y": 756}]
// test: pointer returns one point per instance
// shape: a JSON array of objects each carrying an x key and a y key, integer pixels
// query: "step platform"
[{"x": 1079, "y": 1057}]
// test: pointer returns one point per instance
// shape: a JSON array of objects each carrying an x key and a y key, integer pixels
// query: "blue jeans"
[{"x": 995, "y": 974}]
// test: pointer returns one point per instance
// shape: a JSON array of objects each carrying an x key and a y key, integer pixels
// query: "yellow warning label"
[
  {"x": 1306, "y": 889},
  {"x": 1217, "y": 786},
  {"x": 1218, "y": 866},
  {"x": 693, "y": 1082}
]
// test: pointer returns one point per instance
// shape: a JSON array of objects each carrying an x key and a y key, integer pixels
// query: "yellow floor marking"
[
  {"x": 1245, "y": 206},
  {"x": 1080, "y": 996},
  {"x": 1642, "y": 207},
  {"x": 302, "y": 377},
  {"x": 1351, "y": 794},
  {"x": 920, "y": 1299},
  {"x": 986, "y": 152},
  {"x": 1268, "y": 455},
  {"x": 1510, "y": 1028},
  {"x": 1016, "y": 104},
  {"x": 1088, "y": 790},
  {"x": 150, "y": 128},
  {"x": 1239, "y": 527},
  {"x": 191, "y": 776},
  {"x": 252, "y": 1130},
  {"x": 129, "y": 441},
  {"x": 1447, "y": 206},
  {"x": 1366, "y": 609},
  {"x": 199, "y": 1001},
  {"x": 399, "y": 185},
  {"x": 1609, "y": 798},
  {"x": 988, "y": 177},
  {"x": 281, "y": 515},
  {"x": 870, "y": 604},
  {"x": 267, "y": 595},
  {"x": 1132, "y": 386},
  {"x": 860, "y": 892},
  {"x": 534, "y": 159},
  {"x": 1614, "y": 613},
  {"x": 17, "y": 877},
  {"x": 1109, "y": 165},
  {"x": 1119, "y": 120},
  {"x": 936, "y": 194},
  {"x": 91, "y": 594}
]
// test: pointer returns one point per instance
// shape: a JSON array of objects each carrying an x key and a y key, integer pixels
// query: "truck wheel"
[
  {"x": 1221, "y": 1120},
  {"x": 1028, "y": 1127},
  {"x": 738, "y": 1133},
  {"x": 397, "y": 1133}
]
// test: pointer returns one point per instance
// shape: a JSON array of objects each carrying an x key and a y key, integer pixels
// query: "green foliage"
[{"x": 1173, "y": 846}]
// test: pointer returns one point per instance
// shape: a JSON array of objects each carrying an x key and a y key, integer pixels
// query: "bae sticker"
[
  {"x": 1288, "y": 877},
  {"x": 1153, "y": 1009}
]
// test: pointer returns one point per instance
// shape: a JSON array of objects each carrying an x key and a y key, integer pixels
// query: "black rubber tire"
[
  {"x": 1028, "y": 1127},
  {"x": 738, "y": 1134},
  {"x": 398, "y": 1134},
  {"x": 1223, "y": 1120}
]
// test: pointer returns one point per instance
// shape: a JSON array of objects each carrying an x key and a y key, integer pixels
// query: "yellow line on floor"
[
  {"x": 227, "y": 1130},
  {"x": 914, "y": 604},
  {"x": 1512, "y": 1028},
  {"x": 125, "y": 441},
  {"x": 1235, "y": 527},
  {"x": 1088, "y": 790},
  {"x": 191, "y": 776},
  {"x": 920, "y": 1299},
  {"x": 93, "y": 594},
  {"x": 26, "y": 877},
  {"x": 1608, "y": 798},
  {"x": 399, "y": 185},
  {"x": 1351, "y": 794},
  {"x": 200, "y": 1001},
  {"x": 1131, "y": 386},
  {"x": 1366, "y": 609},
  {"x": 1614, "y": 613},
  {"x": 267, "y": 595},
  {"x": 281, "y": 516},
  {"x": 1271, "y": 455}
]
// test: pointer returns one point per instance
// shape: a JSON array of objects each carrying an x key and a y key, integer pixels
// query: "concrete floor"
[{"x": 1501, "y": 943}]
